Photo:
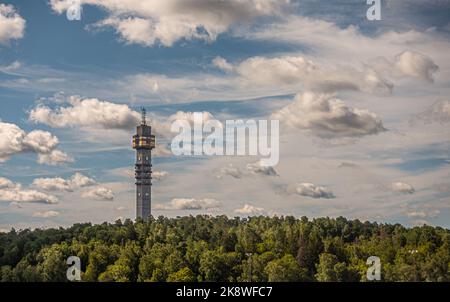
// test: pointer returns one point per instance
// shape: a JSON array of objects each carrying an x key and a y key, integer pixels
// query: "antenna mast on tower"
[{"x": 144, "y": 115}]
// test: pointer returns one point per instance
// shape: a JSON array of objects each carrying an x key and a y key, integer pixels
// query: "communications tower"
[{"x": 143, "y": 142}]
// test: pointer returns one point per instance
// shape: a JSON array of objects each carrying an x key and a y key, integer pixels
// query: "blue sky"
[{"x": 315, "y": 65}]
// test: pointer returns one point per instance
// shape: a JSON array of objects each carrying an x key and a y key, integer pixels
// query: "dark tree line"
[{"x": 205, "y": 248}]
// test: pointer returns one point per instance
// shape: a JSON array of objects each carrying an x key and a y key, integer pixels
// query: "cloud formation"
[
  {"x": 86, "y": 113},
  {"x": 324, "y": 116},
  {"x": 438, "y": 112},
  {"x": 154, "y": 22},
  {"x": 423, "y": 214},
  {"x": 159, "y": 175},
  {"x": 98, "y": 193},
  {"x": 189, "y": 116},
  {"x": 14, "y": 140},
  {"x": 257, "y": 168},
  {"x": 313, "y": 191},
  {"x": 298, "y": 71},
  {"x": 13, "y": 192},
  {"x": 12, "y": 25},
  {"x": 250, "y": 210},
  {"x": 7, "y": 184},
  {"x": 53, "y": 158},
  {"x": 222, "y": 64},
  {"x": 75, "y": 182},
  {"x": 328, "y": 39},
  {"x": 11, "y": 68},
  {"x": 402, "y": 187},
  {"x": 52, "y": 184},
  {"x": 94, "y": 116},
  {"x": 46, "y": 214},
  {"x": 416, "y": 65},
  {"x": 189, "y": 204},
  {"x": 229, "y": 170},
  {"x": 282, "y": 70}
]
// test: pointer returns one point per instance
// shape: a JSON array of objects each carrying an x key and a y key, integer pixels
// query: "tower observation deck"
[{"x": 143, "y": 142}]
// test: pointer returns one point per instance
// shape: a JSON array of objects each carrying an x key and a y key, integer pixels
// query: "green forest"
[{"x": 206, "y": 248}]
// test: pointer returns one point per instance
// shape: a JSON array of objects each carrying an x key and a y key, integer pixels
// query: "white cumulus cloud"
[
  {"x": 159, "y": 175},
  {"x": 414, "y": 64},
  {"x": 313, "y": 191},
  {"x": 283, "y": 70},
  {"x": 189, "y": 116},
  {"x": 12, "y": 25},
  {"x": 132, "y": 30},
  {"x": 402, "y": 187},
  {"x": 98, "y": 193},
  {"x": 14, "y": 140},
  {"x": 221, "y": 63},
  {"x": 8, "y": 184},
  {"x": 189, "y": 204},
  {"x": 14, "y": 193},
  {"x": 79, "y": 180},
  {"x": 250, "y": 210},
  {"x": 53, "y": 158},
  {"x": 52, "y": 184},
  {"x": 165, "y": 22},
  {"x": 327, "y": 117},
  {"x": 18, "y": 195},
  {"x": 87, "y": 113},
  {"x": 75, "y": 182}
]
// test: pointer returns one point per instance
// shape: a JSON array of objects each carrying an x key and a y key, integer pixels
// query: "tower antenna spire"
[{"x": 144, "y": 115}]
